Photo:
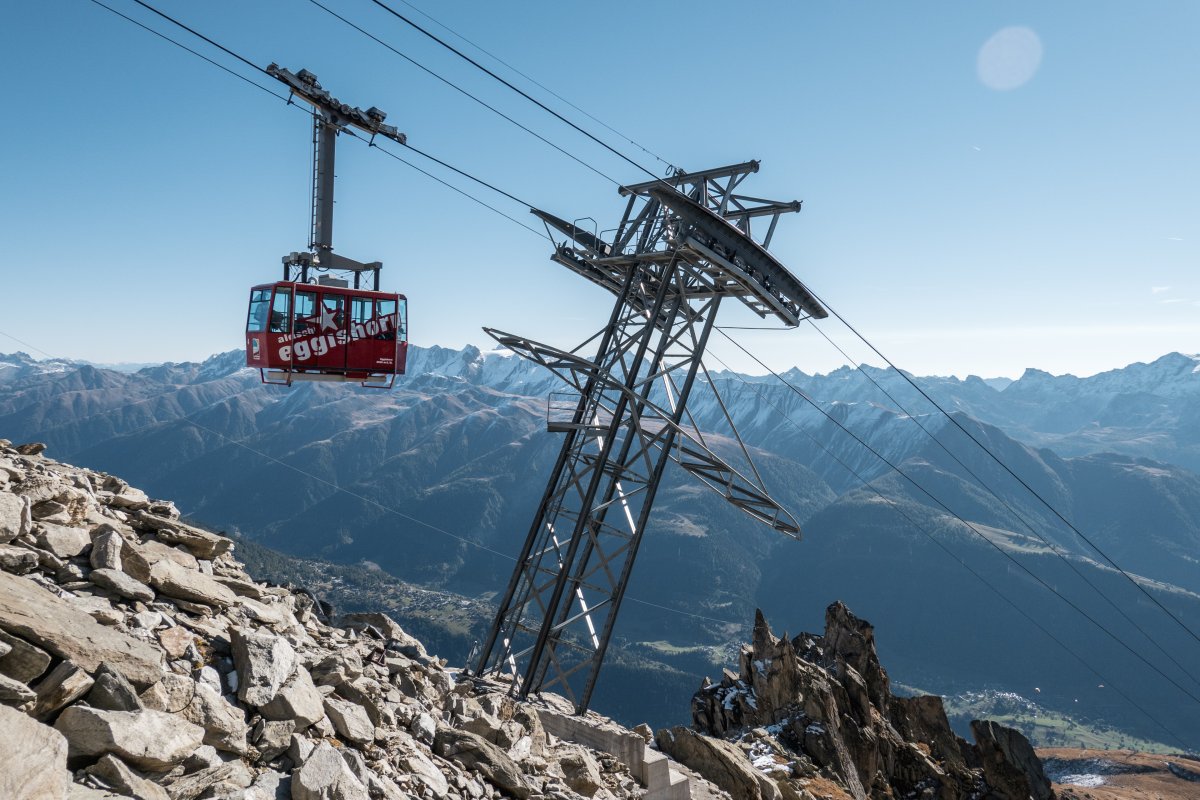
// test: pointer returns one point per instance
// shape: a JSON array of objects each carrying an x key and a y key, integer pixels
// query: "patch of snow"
[
  {"x": 763, "y": 759},
  {"x": 211, "y": 677},
  {"x": 1088, "y": 780}
]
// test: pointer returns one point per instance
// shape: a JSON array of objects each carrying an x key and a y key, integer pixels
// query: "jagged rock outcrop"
[
  {"x": 815, "y": 717},
  {"x": 138, "y": 659},
  {"x": 1009, "y": 763}
]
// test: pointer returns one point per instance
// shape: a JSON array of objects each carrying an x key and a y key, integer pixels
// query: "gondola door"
[
  {"x": 319, "y": 331},
  {"x": 331, "y": 325},
  {"x": 373, "y": 334}
]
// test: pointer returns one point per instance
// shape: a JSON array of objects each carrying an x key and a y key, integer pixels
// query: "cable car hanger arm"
[{"x": 304, "y": 85}]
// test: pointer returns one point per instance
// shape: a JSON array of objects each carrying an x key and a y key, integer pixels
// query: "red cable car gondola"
[
  {"x": 301, "y": 330},
  {"x": 326, "y": 332}
]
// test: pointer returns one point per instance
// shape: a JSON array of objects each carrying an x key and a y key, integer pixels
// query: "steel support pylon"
[{"x": 683, "y": 246}]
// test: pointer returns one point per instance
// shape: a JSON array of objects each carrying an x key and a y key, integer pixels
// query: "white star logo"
[{"x": 325, "y": 318}]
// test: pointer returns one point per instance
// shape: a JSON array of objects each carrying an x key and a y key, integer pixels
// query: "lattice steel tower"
[{"x": 683, "y": 246}]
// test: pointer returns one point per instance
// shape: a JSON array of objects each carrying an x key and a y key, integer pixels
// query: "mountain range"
[{"x": 435, "y": 481}]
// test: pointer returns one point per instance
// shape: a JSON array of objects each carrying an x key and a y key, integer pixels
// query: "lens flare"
[{"x": 1009, "y": 59}]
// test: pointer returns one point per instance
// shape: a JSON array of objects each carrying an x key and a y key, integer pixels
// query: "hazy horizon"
[{"x": 133, "y": 366}]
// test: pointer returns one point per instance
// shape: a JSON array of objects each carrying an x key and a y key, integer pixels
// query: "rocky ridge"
[
  {"x": 138, "y": 659},
  {"x": 814, "y": 715}
]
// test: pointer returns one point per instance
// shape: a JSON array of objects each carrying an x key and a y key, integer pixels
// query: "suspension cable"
[
  {"x": 987, "y": 450},
  {"x": 245, "y": 60},
  {"x": 1020, "y": 517},
  {"x": 670, "y": 167},
  {"x": 516, "y": 89},
  {"x": 968, "y": 525},
  {"x": 464, "y": 92},
  {"x": 942, "y": 546}
]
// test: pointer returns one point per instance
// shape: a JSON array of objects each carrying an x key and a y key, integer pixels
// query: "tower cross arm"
[
  {"x": 734, "y": 240},
  {"x": 303, "y": 84},
  {"x": 684, "y": 177}
]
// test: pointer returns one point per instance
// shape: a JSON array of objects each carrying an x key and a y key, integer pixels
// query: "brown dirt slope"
[{"x": 1121, "y": 774}]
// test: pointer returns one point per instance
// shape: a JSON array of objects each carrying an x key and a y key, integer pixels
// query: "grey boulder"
[
  {"x": 182, "y": 583},
  {"x": 264, "y": 663},
  {"x": 17, "y": 560},
  {"x": 297, "y": 700},
  {"x": 476, "y": 753},
  {"x": 29, "y": 611},
  {"x": 15, "y": 518},
  {"x": 150, "y": 740},
  {"x": 62, "y": 540},
  {"x": 118, "y": 582},
  {"x": 35, "y": 758},
  {"x": 325, "y": 776}
]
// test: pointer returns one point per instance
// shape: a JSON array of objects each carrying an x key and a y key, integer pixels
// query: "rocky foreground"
[{"x": 138, "y": 659}]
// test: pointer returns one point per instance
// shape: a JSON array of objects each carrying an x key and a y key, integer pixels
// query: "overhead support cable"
[
  {"x": 938, "y": 502},
  {"x": 451, "y": 186},
  {"x": 464, "y": 92},
  {"x": 196, "y": 53},
  {"x": 199, "y": 35},
  {"x": 1058, "y": 514},
  {"x": 987, "y": 450},
  {"x": 516, "y": 89},
  {"x": 287, "y": 100},
  {"x": 469, "y": 176},
  {"x": 670, "y": 167}
]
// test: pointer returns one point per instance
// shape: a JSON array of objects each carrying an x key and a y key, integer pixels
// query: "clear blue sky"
[{"x": 966, "y": 228}]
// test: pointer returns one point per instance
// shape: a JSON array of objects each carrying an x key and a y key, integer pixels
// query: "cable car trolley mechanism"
[{"x": 314, "y": 325}]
